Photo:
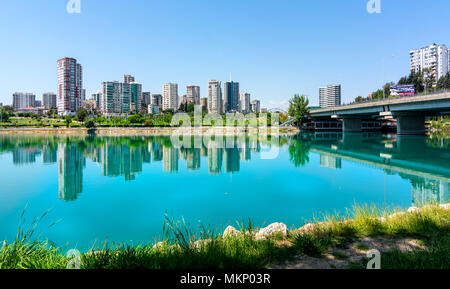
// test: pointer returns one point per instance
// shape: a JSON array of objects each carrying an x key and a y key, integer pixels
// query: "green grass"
[{"x": 431, "y": 225}]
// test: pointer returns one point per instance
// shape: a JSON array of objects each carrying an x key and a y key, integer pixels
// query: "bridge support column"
[
  {"x": 411, "y": 125},
  {"x": 352, "y": 125}
]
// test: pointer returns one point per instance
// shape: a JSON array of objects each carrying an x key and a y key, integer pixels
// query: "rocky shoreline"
[
  {"x": 280, "y": 228},
  {"x": 282, "y": 231}
]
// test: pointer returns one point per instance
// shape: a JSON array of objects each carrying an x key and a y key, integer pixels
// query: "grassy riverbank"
[{"x": 419, "y": 239}]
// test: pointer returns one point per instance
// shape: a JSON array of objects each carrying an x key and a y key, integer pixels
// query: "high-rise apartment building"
[
  {"x": 214, "y": 96},
  {"x": 115, "y": 98},
  {"x": 146, "y": 98},
  {"x": 120, "y": 98},
  {"x": 255, "y": 106},
  {"x": 231, "y": 96},
  {"x": 128, "y": 78},
  {"x": 193, "y": 94},
  {"x": 330, "y": 96},
  {"x": 157, "y": 100},
  {"x": 434, "y": 57},
  {"x": 170, "y": 96},
  {"x": 70, "y": 86},
  {"x": 204, "y": 103},
  {"x": 244, "y": 102},
  {"x": 182, "y": 100},
  {"x": 97, "y": 97},
  {"x": 136, "y": 97},
  {"x": 22, "y": 100},
  {"x": 49, "y": 100}
]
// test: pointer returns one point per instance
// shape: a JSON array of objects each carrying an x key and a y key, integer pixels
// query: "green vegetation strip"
[{"x": 181, "y": 249}]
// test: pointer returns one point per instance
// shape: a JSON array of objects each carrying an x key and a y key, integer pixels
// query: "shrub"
[{"x": 89, "y": 124}]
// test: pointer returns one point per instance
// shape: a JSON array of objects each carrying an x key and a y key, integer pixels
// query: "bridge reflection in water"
[{"x": 424, "y": 161}]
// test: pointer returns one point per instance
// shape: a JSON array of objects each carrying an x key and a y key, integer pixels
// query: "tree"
[
  {"x": 416, "y": 79},
  {"x": 82, "y": 114},
  {"x": 299, "y": 151},
  {"x": 298, "y": 108},
  {"x": 89, "y": 124},
  {"x": 4, "y": 115},
  {"x": 68, "y": 121},
  {"x": 444, "y": 82},
  {"x": 136, "y": 119},
  {"x": 387, "y": 89},
  {"x": 190, "y": 107},
  {"x": 429, "y": 79},
  {"x": 377, "y": 94},
  {"x": 359, "y": 99}
]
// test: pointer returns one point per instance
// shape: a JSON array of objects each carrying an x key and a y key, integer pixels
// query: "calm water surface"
[{"x": 119, "y": 188}]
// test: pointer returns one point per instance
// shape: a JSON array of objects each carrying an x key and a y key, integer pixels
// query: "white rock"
[
  {"x": 272, "y": 229},
  {"x": 230, "y": 231},
  {"x": 160, "y": 245},
  {"x": 397, "y": 215},
  {"x": 307, "y": 228},
  {"x": 201, "y": 243},
  {"x": 413, "y": 210}
]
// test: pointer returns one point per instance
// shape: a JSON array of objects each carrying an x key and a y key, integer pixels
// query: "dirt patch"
[{"x": 354, "y": 253}]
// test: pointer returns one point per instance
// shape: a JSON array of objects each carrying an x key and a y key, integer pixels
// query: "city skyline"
[{"x": 274, "y": 63}]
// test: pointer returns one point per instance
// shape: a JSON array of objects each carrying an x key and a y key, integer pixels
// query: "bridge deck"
[{"x": 385, "y": 102}]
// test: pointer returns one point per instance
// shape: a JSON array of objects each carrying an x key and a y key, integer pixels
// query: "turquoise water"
[{"x": 119, "y": 188}]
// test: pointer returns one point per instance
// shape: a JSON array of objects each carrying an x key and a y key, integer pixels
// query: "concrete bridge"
[{"x": 410, "y": 112}]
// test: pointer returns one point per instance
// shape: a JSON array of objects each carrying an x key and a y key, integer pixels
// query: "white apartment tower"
[
  {"x": 330, "y": 96},
  {"x": 434, "y": 57},
  {"x": 214, "y": 96},
  {"x": 170, "y": 96},
  {"x": 22, "y": 100},
  {"x": 244, "y": 102}
]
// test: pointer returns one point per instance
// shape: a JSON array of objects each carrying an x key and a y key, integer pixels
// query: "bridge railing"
[{"x": 393, "y": 97}]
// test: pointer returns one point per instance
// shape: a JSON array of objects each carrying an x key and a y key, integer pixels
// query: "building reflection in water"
[
  {"x": 330, "y": 162},
  {"x": 425, "y": 191},
  {"x": 428, "y": 172},
  {"x": 71, "y": 163}
]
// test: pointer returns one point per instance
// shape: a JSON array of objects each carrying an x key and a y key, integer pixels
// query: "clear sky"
[{"x": 274, "y": 48}]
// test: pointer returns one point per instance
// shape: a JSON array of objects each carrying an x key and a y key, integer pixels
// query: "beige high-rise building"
[
  {"x": 204, "y": 103},
  {"x": 214, "y": 96},
  {"x": 170, "y": 96}
]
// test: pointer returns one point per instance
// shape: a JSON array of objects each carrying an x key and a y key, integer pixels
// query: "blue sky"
[{"x": 274, "y": 48}]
